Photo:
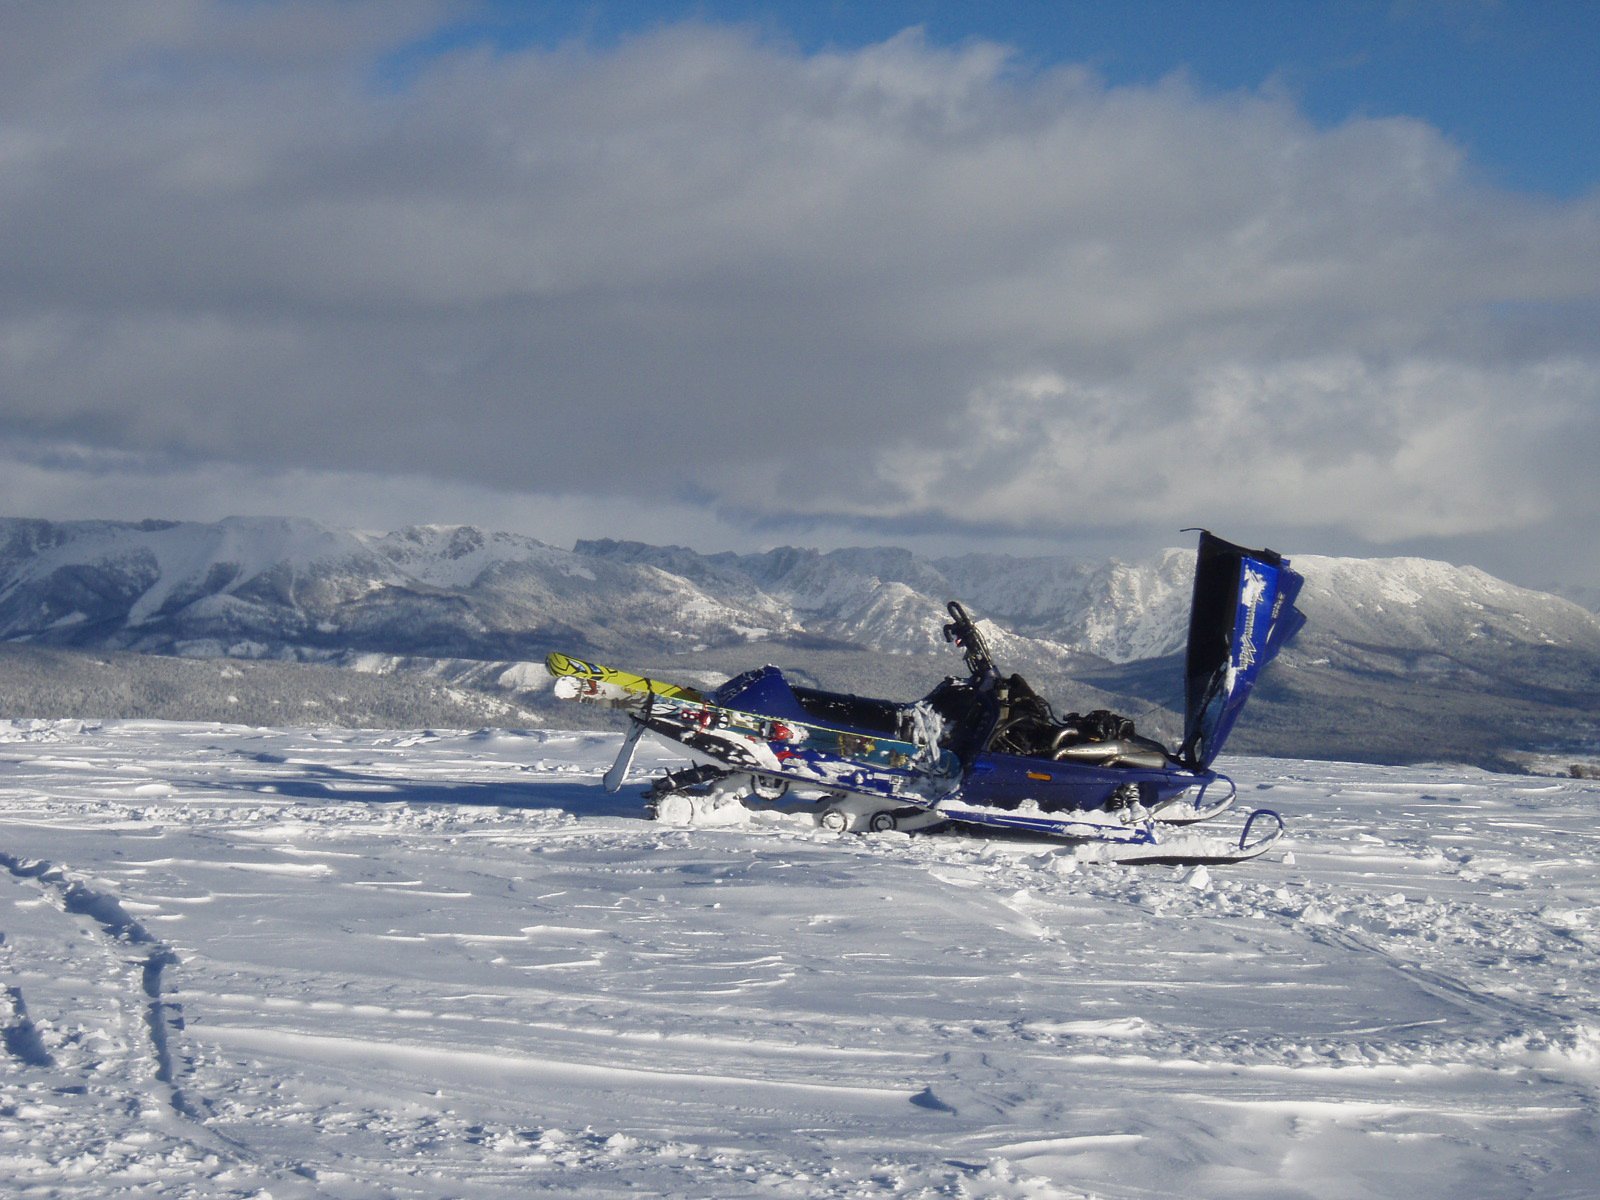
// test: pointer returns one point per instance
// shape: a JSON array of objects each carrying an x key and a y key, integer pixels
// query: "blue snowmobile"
[{"x": 985, "y": 750}]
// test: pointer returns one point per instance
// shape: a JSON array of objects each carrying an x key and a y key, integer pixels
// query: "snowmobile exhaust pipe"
[{"x": 1126, "y": 754}]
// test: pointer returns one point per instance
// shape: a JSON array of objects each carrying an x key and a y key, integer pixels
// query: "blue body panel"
[
  {"x": 763, "y": 691},
  {"x": 1005, "y": 780}
]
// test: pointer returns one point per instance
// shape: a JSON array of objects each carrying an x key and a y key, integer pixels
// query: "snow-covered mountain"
[
  {"x": 1400, "y": 657},
  {"x": 890, "y": 600},
  {"x": 273, "y": 587},
  {"x": 1423, "y": 603}
]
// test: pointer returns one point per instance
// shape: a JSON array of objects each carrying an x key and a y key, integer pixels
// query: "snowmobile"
[{"x": 985, "y": 750}]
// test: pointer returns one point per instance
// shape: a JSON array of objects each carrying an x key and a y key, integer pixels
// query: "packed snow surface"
[{"x": 324, "y": 963}]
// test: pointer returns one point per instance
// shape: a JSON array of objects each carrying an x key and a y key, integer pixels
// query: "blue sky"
[
  {"x": 1048, "y": 278},
  {"x": 1515, "y": 83}
]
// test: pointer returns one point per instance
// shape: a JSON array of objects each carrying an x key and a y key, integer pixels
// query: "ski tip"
[
  {"x": 559, "y": 665},
  {"x": 1264, "y": 840}
]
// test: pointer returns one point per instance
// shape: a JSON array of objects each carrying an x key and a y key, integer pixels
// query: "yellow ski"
[{"x": 564, "y": 667}]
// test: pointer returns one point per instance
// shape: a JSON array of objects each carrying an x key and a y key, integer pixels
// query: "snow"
[
  {"x": 168, "y": 559},
  {"x": 524, "y": 675},
  {"x": 458, "y": 555},
  {"x": 325, "y": 963}
]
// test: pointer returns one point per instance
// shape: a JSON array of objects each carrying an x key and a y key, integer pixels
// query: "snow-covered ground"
[{"x": 324, "y": 963}]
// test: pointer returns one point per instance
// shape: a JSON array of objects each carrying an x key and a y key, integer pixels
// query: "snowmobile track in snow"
[
  {"x": 79, "y": 899},
  {"x": 151, "y": 958}
]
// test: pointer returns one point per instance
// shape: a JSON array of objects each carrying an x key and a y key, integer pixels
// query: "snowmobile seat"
[{"x": 858, "y": 714}]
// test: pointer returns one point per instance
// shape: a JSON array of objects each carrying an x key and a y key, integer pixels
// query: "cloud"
[
  {"x": 905, "y": 285},
  {"x": 1421, "y": 448},
  {"x": 70, "y": 481}
]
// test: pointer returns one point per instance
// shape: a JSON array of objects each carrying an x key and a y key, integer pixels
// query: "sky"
[{"x": 1047, "y": 278}]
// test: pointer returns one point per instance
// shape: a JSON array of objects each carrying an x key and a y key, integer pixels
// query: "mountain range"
[{"x": 1402, "y": 659}]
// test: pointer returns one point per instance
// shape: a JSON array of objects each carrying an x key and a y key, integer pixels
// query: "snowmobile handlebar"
[{"x": 963, "y": 631}]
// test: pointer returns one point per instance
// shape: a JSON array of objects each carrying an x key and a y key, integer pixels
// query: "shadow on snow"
[{"x": 318, "y": 783}]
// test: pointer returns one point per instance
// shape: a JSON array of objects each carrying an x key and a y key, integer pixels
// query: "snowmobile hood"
[{"x": 1242, "y": 614}]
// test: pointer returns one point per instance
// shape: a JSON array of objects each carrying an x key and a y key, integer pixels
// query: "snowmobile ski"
[
  {"x": 1187, "y": 809},
  {"x": 609, "y": 682},
  {"x": 1188, "y": 849}
]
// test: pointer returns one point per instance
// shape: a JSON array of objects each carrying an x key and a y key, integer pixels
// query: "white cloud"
[
  {"x": 1422, "y": 448},
  {"x": 66, "y": 481},
  {"x": 905, "y": 284}
]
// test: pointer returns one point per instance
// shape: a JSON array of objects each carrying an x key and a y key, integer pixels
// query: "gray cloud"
[{"x": 902, "y": 287}]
